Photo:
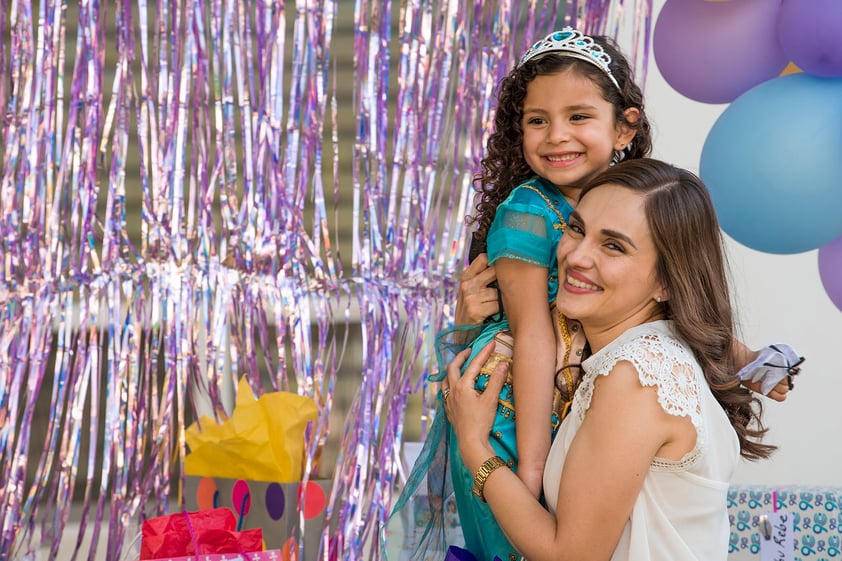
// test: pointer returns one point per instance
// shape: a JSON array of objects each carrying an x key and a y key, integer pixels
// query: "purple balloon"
[
  {"x": 809, "y": 32},
  {"x": 715, "y": 51},
  {"x": 830, "y": 270}
]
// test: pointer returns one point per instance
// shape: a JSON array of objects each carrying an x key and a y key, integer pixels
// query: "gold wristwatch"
[{"x": 487, "y": 467}]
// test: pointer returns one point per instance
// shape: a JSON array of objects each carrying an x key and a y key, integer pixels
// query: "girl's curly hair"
[{"x": 504, "y": 166}]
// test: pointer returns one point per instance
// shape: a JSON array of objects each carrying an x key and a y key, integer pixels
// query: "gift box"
[
  {"x": 274, "y": 507},
  {"x": 816, "y": 520}
]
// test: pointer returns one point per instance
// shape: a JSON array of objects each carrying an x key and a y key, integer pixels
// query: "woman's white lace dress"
[{"x": 681, "y": 512}]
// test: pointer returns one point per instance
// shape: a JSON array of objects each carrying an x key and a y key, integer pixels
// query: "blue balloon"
[{"x": 773, "y": 164}]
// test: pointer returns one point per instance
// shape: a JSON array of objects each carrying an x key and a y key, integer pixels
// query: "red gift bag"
[{"x": 212, "y": 531}]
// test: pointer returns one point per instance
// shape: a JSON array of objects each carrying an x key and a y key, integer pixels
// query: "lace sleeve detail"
[{"x": 661, "y": 361}]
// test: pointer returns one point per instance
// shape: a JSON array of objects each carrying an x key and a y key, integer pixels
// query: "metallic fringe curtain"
[{"x": 225, "y": 115}]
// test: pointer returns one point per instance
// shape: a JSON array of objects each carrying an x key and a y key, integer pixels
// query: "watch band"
[{"x": 487, "y": 467}]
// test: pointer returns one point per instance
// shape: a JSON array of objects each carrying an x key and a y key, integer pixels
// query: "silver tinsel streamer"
[{"x": 221, "y": 118}]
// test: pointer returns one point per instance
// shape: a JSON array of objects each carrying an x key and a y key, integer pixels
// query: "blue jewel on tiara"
[{"x": 572, "y": 43}]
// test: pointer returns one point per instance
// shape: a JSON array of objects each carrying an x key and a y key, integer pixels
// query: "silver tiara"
[{"x": 572, "y": 43}]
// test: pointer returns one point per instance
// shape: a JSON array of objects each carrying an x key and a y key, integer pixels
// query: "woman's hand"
[
  {"x": 472, "y": 412},
  {"x": 476, "y": 300}
]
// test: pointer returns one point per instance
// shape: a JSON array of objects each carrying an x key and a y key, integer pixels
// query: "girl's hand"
[
  {"x": 476, "y": 300},
  {"x": 769, "y": 371},
  {"x": 778, "y": 393},
  {"x": 472, "y": 412}
]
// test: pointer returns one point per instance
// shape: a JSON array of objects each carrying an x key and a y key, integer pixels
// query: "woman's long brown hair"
[{"x": 692, "y": 265}]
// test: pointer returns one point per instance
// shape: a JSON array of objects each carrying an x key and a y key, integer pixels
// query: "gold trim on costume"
[{"x": 562, "y": 225}]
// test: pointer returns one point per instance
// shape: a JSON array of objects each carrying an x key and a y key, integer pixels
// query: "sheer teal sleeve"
[
  {"x": 451, "y": 342},
  {"x": 524, "y": 229}
]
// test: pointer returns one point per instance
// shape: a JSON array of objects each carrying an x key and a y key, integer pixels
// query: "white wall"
[{"x": 779, "y": 299}]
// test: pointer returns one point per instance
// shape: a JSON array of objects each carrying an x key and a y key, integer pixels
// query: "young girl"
[{"x": 566, "y": 111}]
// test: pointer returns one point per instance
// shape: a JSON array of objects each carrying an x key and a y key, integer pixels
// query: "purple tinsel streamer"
[{"x": 229, "y": 110}]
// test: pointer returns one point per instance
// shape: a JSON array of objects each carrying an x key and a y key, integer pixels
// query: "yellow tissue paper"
[{"x": 262, "y": 441}]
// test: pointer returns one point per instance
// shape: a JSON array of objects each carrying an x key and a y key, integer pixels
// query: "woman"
[{"x": 640, "y": 468}]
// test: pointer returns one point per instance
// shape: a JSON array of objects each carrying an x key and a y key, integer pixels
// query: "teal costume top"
[{"x": 527, "y": 226}]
